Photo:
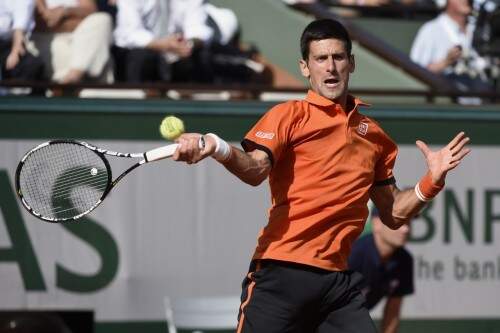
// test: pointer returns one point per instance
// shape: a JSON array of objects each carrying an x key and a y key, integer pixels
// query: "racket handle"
[{"x": 160, "y": 153}]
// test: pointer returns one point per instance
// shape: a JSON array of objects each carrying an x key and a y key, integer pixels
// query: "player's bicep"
[
  {"x": 262, "y": 160},
  {"x": 251, "y": 167}
]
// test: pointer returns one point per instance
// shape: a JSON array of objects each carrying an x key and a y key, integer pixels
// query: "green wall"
[{"x": 139, "y": 119}]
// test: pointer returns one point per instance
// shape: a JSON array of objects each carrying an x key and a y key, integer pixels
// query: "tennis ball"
[{"x": 171, "y": 127}]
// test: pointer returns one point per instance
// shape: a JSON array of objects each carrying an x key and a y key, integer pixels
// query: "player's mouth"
[{"x": 331, "y": 82}]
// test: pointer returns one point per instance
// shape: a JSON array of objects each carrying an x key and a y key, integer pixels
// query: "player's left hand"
[{"x": 446, "y": 159}]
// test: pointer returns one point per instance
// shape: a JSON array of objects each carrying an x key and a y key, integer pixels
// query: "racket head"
[{"x": 62, "y": 180}]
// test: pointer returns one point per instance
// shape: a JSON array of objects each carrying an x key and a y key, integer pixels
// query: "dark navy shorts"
[{"x": 284, "y": 297}]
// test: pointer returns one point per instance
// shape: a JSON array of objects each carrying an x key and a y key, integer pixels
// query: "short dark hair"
[{"x": 324, "y": 29}]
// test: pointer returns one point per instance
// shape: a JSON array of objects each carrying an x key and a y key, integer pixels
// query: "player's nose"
[{"x": 330, "y": 67}]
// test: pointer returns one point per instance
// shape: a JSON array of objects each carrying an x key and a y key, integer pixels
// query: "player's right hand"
[{"x": 190, "y": 150}]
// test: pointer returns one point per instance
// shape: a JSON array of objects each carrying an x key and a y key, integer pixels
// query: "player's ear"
[
  {"x": 304, "y": 69},
  {"x": 352, "y": 63}
]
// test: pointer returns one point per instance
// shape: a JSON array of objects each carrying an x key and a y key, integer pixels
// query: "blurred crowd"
[
  {"x": 106, "y": 41},
  {"x": 70, "y": 41}
]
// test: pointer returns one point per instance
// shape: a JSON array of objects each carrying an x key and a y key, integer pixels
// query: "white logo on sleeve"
[
  {"x": 264, "y": 135},
  {"x": 362, "y": 128}
]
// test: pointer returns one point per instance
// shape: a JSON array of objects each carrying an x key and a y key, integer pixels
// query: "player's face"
[
  {"x": 395, "y": 238},
  {"x": 328, "y": 68}
]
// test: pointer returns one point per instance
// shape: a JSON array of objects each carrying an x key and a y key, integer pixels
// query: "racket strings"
[
  {"x": 78, "y": 177},
  {"x": 62, "y": 180}
]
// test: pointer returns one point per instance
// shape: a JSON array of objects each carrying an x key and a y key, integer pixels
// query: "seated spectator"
[
  {"x": 159, "y": 40},
  {"x": 387, "y": 267},
  {"x": 444, "y": 46},
  {"x": 355, "y": 8},
  {"x": 16, "y": 23},
  {"x": 179, "y": 41},
  {"x": 74, "y": 40}
]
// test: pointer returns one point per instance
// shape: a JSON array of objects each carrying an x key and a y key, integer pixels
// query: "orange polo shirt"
[{"x": 324, "y": 162}]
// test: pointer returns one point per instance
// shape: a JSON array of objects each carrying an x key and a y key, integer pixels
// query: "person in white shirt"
[
  {"x": 444, "y": 46},
  {"x": 16, "y": 24},
  {"x": 162, "y": 40},
  {"x": 74, "y": 39}
]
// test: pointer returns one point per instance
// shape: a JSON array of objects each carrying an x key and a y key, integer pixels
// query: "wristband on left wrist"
[{"x": 426, "y": 190}]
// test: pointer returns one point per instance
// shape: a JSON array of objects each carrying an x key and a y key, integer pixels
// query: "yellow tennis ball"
[{"x": 171, "y": 128}]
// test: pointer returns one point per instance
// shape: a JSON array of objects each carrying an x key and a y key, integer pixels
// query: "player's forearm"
[
  {"x": 406, "y": 206},
  {"x": 252, "y": 168}
]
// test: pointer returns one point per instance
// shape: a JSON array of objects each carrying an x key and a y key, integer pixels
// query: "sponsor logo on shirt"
[
  {"x": 264, "y": 135},
  {"x": 362, "y": 128}
]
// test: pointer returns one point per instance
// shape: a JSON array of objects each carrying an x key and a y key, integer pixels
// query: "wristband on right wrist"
[
  {"x": 222, "y": 149},
  {"x": 426, "y": 190}
]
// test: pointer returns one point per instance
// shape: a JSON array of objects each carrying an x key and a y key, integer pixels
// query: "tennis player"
[{"x": 324, "y": 161}]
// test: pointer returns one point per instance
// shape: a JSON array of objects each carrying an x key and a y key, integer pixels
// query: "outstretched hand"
[{"x": 446, "y": 159}]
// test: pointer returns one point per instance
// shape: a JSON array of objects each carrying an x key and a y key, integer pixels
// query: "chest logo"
[
  {"x": 264, "y": 135},
  {"x": 362, "y": 128}
]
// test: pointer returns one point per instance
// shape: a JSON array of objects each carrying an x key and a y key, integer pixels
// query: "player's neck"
[{"x": 342, "y": 102}]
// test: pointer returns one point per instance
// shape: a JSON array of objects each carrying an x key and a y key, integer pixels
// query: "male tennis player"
[{"x": 324, "y": 161}]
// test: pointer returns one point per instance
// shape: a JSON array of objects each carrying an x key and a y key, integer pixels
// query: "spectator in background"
[
  {"x": 160, "y": 40},
  {"x": 180, "y": 41},
  {"x": 16, "y": 24},
  {"x": 74, "y": 40},
  {"x": 387, "y": 267},
  {"x": 444, "y": 46},
  {"x": 354, "y": 8}
]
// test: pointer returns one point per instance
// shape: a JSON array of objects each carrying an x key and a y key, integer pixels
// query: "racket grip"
[{"x": 160, "y": 153}]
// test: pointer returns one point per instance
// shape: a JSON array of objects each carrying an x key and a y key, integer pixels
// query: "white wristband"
[
  {"x": 222, "y": 148},
  {"x": 420, "y": 195}
]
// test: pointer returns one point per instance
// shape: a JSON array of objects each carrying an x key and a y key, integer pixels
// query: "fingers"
[
  {"x": 460, "y": 146},
  {"x": 423, "y": 147},
  {"x": 189, "y": 149},
  {"x": 456, "y": 140},
  {"x": 458, "y": 157}
]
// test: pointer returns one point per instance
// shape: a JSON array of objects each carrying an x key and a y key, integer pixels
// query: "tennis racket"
[{"x": 64, "y": 180}]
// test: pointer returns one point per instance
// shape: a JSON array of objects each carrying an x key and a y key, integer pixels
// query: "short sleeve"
[
  {"x": 385, "y": 164},
  {"x": 271, "y": 132}
]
